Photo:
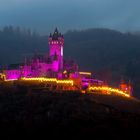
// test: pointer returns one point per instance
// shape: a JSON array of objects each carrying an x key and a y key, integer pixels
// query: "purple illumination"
[
  {"x": 74, "y": 75},
  {"x": 56, "y": 45},
  {"x": 26, "y": 71},
  {"x": 42, "y": 65},
  {"x": 13, "y": 74},
  {"x": 53, "y": 66}
]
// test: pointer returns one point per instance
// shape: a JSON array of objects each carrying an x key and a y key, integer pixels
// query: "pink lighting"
[
  {"x": 13, "y": 74},
  {"x": 53, "y": 69}
]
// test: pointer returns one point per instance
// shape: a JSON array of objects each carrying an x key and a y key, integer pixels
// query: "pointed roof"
[
  {"x": 56, "y": 34},
  {"x": 56, "y": 30}
]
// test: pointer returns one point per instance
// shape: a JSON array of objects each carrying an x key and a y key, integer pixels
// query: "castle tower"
[{"x": 56, "y": 45}]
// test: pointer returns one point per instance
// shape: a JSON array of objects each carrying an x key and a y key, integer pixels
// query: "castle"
[
  {"x": 51, "y": 65},
  {"x": 54, "y": 70}
]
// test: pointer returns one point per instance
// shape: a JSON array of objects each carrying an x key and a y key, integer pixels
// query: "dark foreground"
[{"x": 68, "y": 115}]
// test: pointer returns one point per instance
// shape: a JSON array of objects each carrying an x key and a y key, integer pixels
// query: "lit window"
[{"x": 61, "y": 51}]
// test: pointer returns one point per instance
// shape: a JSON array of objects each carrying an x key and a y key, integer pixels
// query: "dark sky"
[{"x": 45, "y": 15}]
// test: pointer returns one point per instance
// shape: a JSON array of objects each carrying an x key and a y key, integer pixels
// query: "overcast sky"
[{"x": 44, "y": 15}]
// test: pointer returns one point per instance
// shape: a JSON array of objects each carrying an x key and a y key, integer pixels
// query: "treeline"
[
  {"x": 14, "y": 31},
  {"x": 109, "y": 54},
  {"x": 16, "y": 42}
]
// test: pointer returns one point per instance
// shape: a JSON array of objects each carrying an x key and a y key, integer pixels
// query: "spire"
[
  {"x": 56, "y": 30},
  {"x": 56, "y": 34}
]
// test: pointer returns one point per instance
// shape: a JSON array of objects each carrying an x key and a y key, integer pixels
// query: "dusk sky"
[{"x": 45, "y": 15}]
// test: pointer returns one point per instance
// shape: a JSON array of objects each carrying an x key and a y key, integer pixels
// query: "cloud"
[{"x": 46, "y": 14}]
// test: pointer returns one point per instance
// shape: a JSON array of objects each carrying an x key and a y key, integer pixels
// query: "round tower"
[{"x": 56, "y": 45}]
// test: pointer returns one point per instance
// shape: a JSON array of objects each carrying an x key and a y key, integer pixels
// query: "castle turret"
[{"x": 56, "y": 45}]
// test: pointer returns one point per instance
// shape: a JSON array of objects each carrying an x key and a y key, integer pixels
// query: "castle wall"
[
  {"x": 26, "y": 71},
  {"x": 12, "y": 74},
  {"x": 55, "y": 66},
  {"x": 54, "y": 49}
]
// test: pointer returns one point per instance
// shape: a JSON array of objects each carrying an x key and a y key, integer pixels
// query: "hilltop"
[
  {"x": 69, "y": 114},
  {"x": 109, "y": 54}
]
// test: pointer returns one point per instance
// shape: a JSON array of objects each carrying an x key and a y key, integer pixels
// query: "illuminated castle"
[
  {"x": 50, "y": 66},
  {"x": 55, "y": 72}
]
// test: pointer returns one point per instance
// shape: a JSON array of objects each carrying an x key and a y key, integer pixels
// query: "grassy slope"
[{"x": 69, "y": 114}]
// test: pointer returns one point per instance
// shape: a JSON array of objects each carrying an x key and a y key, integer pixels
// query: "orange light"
[
  {"x": 83, "y": 91},
  {"x": 65, "y": 72},
  {"x": 10, "y": 80},
  {"x": 3, "y": 75},
  {"x": 86, "y": 73},
  {"x": 109, "y": 89},
  {"x": 41, "y": 79}
]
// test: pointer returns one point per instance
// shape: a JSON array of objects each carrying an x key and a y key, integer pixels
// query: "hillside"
[
  {"x": 105, "y": 51},
  {"x": 109, "y": 54},
  {"x": 68, "y": 115}
]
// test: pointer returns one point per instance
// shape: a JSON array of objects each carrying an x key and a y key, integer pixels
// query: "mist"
[{"x": 45, "y": 15}]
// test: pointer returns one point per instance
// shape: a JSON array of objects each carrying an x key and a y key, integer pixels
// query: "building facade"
[{"x": 52, "y": 65}]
